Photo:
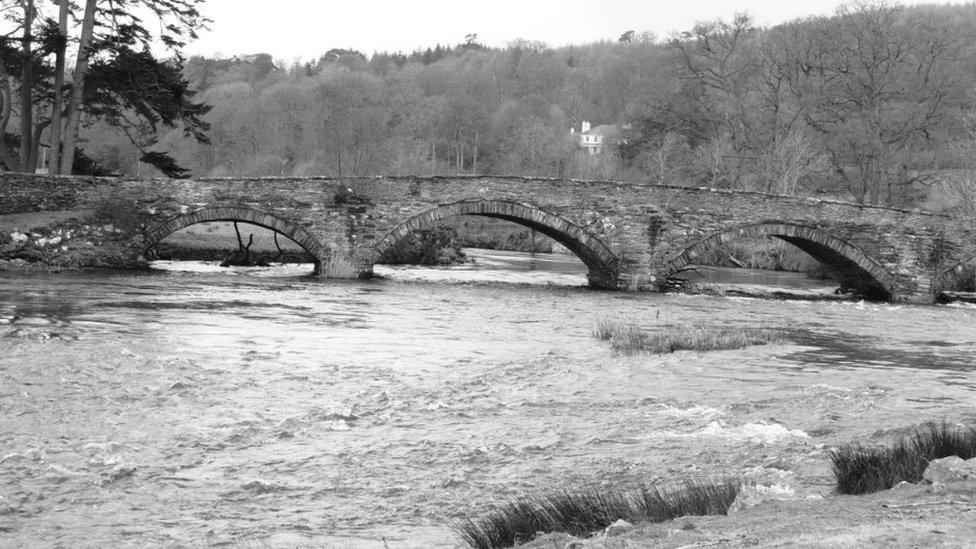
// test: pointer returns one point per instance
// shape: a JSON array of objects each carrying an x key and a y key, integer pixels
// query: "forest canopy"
[{"x": 872, "y": 104}]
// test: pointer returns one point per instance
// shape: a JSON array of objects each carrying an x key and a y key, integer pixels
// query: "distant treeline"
[{"x": 870, "y": 104}]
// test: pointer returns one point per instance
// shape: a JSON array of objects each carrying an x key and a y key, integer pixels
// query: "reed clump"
[
  {"x": 630, "y": 339},
  {"x": 860, "y": 469},
  {"x": 604, "y": 328},
  {"x": 587, "y": 510}
]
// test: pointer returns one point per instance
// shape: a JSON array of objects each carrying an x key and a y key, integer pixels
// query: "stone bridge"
[{"x": 630, "y": 236}]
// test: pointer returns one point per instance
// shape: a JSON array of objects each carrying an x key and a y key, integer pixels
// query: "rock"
[
  {"x": 618, "y": 527},
  {"x": 19, "y": 238},
  {"x": 950, "y": 469},
  {"x": 555, "y": 539},
  {"x": 752, "y": 495}
]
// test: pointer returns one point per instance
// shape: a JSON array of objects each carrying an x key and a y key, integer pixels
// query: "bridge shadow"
[
  {"x": 848, "y": 264},
  {"x": 601, "y": 263}
]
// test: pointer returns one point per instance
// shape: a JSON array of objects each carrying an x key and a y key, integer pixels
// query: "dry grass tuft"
[
  {"x": 604, "y": 329},
  {"x": 588, "y": 510},
  {"x": 630, "y": 339},
  {"x": 861, "y": 469}
]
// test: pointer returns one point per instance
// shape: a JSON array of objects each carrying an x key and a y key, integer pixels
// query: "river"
[{"x": 196, "y": 406}]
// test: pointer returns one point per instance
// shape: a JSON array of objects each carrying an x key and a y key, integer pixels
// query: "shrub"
[
  {"x": 861, "y": 469},
  {"x": 436, "y": 246},
  {"x": 589, "y": 509},
  {"x": 964, "y": 280},
  {"x": 118, "y": 212}
]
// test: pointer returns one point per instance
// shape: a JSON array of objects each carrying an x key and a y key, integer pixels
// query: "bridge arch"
[
  {"x": 854, "y": 268},
  {"x": 602, "y": 263},
  {"x": 242, "y": 214}
]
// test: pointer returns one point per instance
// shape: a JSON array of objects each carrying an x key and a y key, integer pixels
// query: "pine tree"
[{"x": 116, "y": 78}]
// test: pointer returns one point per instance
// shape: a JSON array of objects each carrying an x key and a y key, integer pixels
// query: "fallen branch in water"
[
  {"x": 242, "y": 257},
  {"x": 281, "y": 253}
]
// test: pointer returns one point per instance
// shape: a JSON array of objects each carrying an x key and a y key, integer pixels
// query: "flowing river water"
[{"x": 205, "y": 407}]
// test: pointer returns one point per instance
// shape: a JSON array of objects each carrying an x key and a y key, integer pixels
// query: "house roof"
[{"x": 606, "y": 130}]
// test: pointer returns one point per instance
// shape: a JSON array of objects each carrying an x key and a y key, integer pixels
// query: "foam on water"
[
  {"x": 694, "y": 412},
  {"x": 213, "y": 267},
  {"x": 752, "y": 432}
]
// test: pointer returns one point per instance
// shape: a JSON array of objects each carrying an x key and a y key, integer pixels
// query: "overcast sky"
[{"x": 289, "y": 29}]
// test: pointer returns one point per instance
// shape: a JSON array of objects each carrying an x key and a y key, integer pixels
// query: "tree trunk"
[
  {"x": 474, "y": 167},
  {"x": 240, "y": 241},
  {"x": 281, "y": 253},
  {"x": 35, "y": 146},
  {"x": 26, "y": 89},
  {"x": 457, "y": 152},
  {"x": 875, "y": 186},
  {"x": 78, "y": 90},
  {"x": 433, "y": 154},
  {"x": 6, "y": 95},
  {"x": 339, "y": 159},
  {"x": 56, "y": 112}
]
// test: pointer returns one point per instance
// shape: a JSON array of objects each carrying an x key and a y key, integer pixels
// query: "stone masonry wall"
[{"x": 644, "y": 225}]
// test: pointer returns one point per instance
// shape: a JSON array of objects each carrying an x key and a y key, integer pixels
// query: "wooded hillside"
[{"x": 874, "y": 104}]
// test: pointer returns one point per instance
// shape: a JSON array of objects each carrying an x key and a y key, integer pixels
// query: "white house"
[{"x": 593, "y": 140}]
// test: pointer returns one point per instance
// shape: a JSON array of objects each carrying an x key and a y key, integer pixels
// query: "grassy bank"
[
  {"x": 588, "y": 510},
  {"x": 861, "y": 469},
  {"x": 630, "y": 339}
]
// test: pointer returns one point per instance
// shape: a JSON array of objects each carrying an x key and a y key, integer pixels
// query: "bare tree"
[
  {"x": 874, "y": 83},
  {"x": 722, "y": 57}
]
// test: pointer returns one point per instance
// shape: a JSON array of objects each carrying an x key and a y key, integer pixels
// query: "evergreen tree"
[{"x": 115, "y": 79}]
